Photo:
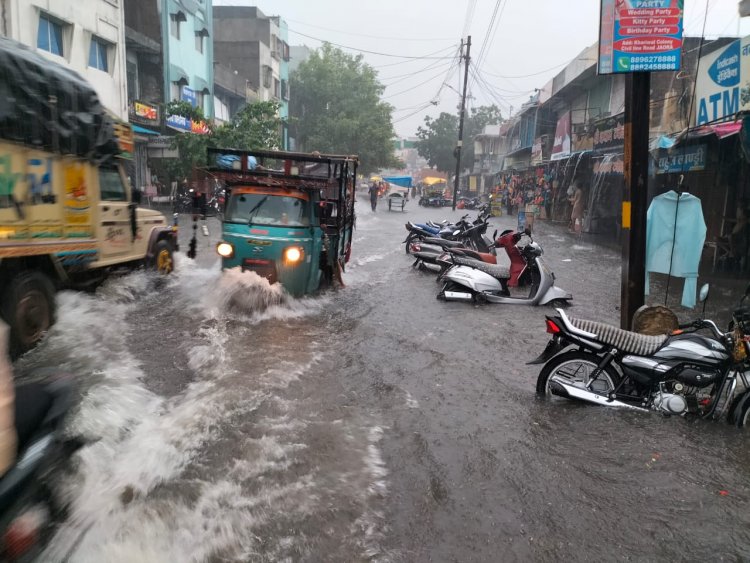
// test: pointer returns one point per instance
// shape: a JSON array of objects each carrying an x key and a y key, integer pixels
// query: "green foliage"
[
  {"x": 336, "y": 108},
  {"x": 185, "y": 109},
  {"x": 256, "y": 126},
  {"x": 438, "y": 138}
]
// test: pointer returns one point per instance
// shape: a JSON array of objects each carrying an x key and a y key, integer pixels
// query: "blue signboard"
[
  {"x": 640, "y": 35},
  {"x": 188, "y": 95},
  {"x": 179, "y": 122},
  {"x": 681, "y": 160}
]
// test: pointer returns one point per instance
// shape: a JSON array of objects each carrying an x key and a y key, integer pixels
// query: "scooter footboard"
[{"x": 553, "y": 293}]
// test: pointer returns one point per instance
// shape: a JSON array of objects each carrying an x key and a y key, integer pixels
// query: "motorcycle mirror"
[
  {"x": 494, "y": 235},
  {"x": 703, "y": 294},
  {"x": 527, "y": 231}
]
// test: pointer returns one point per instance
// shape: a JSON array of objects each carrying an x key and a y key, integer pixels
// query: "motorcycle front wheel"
[
  {"x": 576, "y": 368},
  {"x": 739, "y": 412}
]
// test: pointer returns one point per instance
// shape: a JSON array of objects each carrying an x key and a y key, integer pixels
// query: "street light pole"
[{"x": 459, "y": 145}]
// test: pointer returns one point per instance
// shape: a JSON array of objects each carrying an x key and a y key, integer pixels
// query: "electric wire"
[
  {"x": 419, "y": 57},
  {"x": 438, "y": 75},
  {"x": 414, "y": 39},
  {"x": 437, "y": 64}
]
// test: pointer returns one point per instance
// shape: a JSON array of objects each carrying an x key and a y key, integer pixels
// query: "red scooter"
[{"x": 519, "y": 268}]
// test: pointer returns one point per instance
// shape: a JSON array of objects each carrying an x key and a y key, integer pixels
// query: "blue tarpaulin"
[{"x": 403, "y": 181}]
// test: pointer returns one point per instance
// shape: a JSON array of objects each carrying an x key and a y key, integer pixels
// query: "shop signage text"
[
  {"x": 689, "y": 159},
  {"x": 640, "y": 35}
]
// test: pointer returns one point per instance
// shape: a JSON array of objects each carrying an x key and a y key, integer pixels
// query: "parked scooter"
[
  {"x": 27, "y": 506},
  {"x": 469, "y": 280},
  {"x": 445, "y": 230},
  {"x": 677, "y": 374}
]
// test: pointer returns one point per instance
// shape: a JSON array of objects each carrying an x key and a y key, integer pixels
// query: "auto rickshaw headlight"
[
  {"x": 225, "y": 250},
  {"x": 293, "y": 255}
]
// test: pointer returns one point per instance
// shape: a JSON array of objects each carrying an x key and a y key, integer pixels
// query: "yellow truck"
[{"x": 68, "y": 216}]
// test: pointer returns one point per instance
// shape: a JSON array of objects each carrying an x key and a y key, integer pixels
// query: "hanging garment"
[{"x": 688, "y": 243}]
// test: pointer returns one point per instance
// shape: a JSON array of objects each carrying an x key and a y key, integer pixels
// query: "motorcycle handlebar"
[{"x": 703, "y": 323}]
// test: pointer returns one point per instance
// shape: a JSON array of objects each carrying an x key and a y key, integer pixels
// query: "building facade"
[
  {"x": 188, "y": 53},
  {"x": 252, "y": 44},
  {"x": 87, "y": 36}
]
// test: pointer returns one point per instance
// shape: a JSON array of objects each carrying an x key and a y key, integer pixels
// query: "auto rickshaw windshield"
[{"x": 264, "y": 209}]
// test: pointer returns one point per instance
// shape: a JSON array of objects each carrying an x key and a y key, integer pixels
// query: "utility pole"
[
  {"x": 460, "y": 143},
  {"x": 635, "y": 195}
]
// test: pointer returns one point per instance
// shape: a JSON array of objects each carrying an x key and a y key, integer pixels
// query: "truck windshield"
[{"x": 264, "y": 209}]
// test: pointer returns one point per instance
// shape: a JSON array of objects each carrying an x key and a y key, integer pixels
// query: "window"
[
  {"x": 50, "y": 35},
  {"x": 111, "y": 187},
  {"x": 267, "y": 76},
  {"x": 199, "y": 42},
  {"x": 284, "y": 89},
  {"x": 174, "y": 24},
  {"x": 175, "y": 89},
  {"x": 276, "y": 88},
  {"x": 262, "y": 209},
  {"x": 132, "y": 76},
  {"x": 98, "y": 52}
]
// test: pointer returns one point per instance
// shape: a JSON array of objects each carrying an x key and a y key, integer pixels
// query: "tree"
[
  {"x": 255, "y": 126},
  {"x": 437, "y": 139},
  {"x": 336, "y": 108}
]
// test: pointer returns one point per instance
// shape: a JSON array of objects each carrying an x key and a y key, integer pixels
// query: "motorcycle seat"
[
  {"x": 445, "y": 243},
  {"x": 497, "y": 272},
  {"x": 624, "y": 340}
]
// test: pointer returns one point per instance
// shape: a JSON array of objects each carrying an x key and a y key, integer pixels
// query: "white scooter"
[{"x": 471, "y": 280}]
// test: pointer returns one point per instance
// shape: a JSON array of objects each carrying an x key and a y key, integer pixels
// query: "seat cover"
[
  {"x": 497, "y": 272},
  {"x": 623, "y": 340}
]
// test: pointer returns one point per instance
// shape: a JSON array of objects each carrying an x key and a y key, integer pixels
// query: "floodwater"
[{"x": 370, "y": 424}]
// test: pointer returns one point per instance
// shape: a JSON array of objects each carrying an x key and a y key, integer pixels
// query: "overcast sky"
[{"x": 530, "y": 42}]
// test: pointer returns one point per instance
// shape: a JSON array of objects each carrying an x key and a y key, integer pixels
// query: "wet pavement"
[{"x": 370, "y": 424}]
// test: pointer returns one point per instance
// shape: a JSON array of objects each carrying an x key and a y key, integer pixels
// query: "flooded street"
[{"x": 371, "y": 424}]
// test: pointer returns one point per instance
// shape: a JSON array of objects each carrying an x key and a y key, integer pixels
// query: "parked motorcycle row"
[
  {"x": 679, "y": 372},
  {"x": 465, "y": 260}
]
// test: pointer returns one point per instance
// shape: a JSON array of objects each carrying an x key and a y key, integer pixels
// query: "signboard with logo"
[
  {"x": 720, "y": 91},
  {"x": 561, "y": 146},
  {"x": 687, "y": 159},
  {"x": 186, "y": 124},
  {"x": 144, "y": 113},
  {"x": 188, "y": 95},
  {"x": 640, "y": 35}
]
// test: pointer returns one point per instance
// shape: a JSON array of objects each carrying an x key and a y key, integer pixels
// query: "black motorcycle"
[
  {"x": 28, "y": 509},
  {"x": 677, "y": 374}
]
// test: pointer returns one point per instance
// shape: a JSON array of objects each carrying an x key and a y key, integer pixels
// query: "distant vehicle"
[
  {"x": 288, "y": 216},
  {"x": 68, "y": 215}
]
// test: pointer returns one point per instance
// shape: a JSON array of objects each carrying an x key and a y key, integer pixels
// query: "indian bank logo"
[{"x": 726, "y": 69}]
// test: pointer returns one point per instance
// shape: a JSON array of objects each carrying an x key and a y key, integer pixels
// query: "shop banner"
[
  {"x": 723, "y": 84},
  {"x": 537, "y": 156},
  {"x": 561, "y": 146},
  {"x": 611, "y": 139},
  {"x": 681, "y": 160},
  {"x": 187, "y": 125},
  {"x": 640, "y": 35}
]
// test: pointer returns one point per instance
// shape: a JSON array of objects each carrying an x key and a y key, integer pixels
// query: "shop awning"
[
  {"x": 142, "y": 130},
  {"x": 431, "y": 181},
  {"x": 200, "y": 85},
  {"x": 661, "y": 142},
  {"x": 721, "y": 130},
  {"x": 176, "y": 74},
  {"x": 403, "y": 181}
]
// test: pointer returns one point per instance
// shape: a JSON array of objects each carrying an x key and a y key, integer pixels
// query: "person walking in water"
[{"x": 374, "y": 195}]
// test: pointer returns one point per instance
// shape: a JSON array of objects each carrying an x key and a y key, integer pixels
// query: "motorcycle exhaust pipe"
[
  {"x": 564, "y": 389},
  {"x": 458, "y": 296}
]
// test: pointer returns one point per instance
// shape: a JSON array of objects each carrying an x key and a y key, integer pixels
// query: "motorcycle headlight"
[
  {"x": 293, "y": 255},
  {"x": 225, "y": 250}
]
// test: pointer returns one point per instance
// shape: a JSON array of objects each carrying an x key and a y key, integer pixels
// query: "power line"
[
  {"x": 414, "y": 39},
  {"x": 489, "y": 33},
  {"x": 371, "y": 52},
  {"x": 413, "y": 87},
  {"x": 431, "y": 66}
]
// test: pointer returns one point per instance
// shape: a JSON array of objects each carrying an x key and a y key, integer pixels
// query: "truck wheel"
[
  {"x": 163, "y": 258},
  {"x": 28, "y": 306}
]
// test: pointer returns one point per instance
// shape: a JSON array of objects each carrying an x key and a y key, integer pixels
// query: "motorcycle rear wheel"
[
  {"x": 739, "y": 413},
  {"x": 576, "y": 367}
]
